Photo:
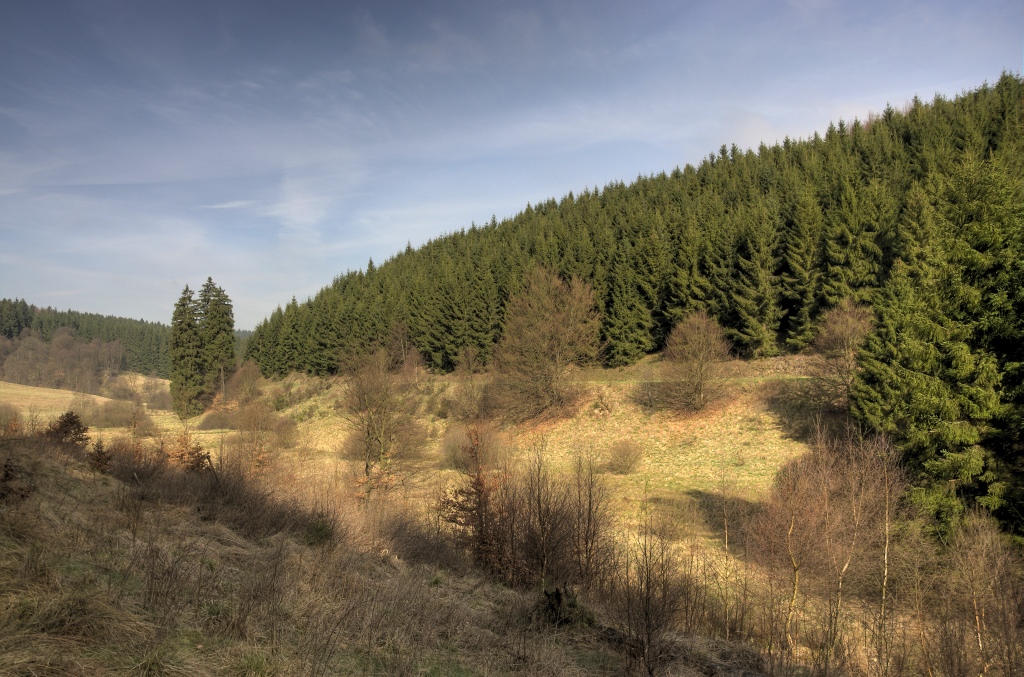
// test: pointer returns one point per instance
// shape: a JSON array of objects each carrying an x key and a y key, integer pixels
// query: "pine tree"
[
  {"x": 628, "y": 322},
  {"x": 923, "y": 384},
  {"x": 186, "y": 355},
  {"x": 801, "y": 276},
  {"x": 755, "y": 298},
  {"x": 217, "y": 332}
]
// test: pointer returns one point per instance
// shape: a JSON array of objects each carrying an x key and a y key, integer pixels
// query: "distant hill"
[{"x": 125, "y": 344}]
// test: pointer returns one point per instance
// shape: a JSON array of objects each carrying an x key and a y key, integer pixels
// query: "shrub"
[
  {"x": 189, "y": 454},
  {"x": 244, "y": 384},
  {"x": 10, "y": 421},
  {"x": 99, "y": 457},
  {"x": 550, "y": 328},
  {"x": 380, "y": 408},
  {"x": 693, "y": 355},
  {"x": 113, "y": 414},
  {"x": 623, "y": 457},
  {"x": 491, "y": 448},
  {"x": 159, "y": 398},
  {"x": 218, "y": 420},
  {"x": 84, "y": 406},
  {"x": 286, "y": 432},
  {"x": 843, "y": 330},
  {"x": 68, "y": 429}
]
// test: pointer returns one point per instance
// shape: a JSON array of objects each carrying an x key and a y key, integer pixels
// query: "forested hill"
[
  {"x": 141, "y": 346},
  {"x": 765, "y": 241},
  {"x": 917, "y": 212}
]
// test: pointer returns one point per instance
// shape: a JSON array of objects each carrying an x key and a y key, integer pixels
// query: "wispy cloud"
[
  {"x": 146, "y": 146},
  {"x": 230, "y": 204}
]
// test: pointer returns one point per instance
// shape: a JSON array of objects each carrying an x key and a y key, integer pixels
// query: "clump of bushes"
[
  {"x": 624, "y": 457},
  {"x": 10, "y": 420},
  {"x": 218, "y": 420},
  {"x": 244, "y": 386},
  {"x": 113, "y": 414},
  {"x": 490, "y": 447}
]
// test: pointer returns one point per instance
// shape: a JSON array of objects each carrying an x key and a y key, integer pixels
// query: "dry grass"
[
  {"x": 101, "y": 577},
  {"x": 47, "y": 402}
]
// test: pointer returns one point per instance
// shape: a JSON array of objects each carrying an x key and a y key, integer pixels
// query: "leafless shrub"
[
  {"x": 10, "y": 421},
  {"x": 647, "y": 594},
  {"x": 380, "y": 407},
  {"x": 492, "y": 448},
  {"x": 694, "y": 353},
  {"x": 220, "y": 419},
  {"x": 623, "y": 457},
  {"x": 261, "y": 430},
  {"x": 591, "y": 527},
  {"x": 550, "y": 328},
  {"x": 157, "y": 395},
  {"x": 842, "y": 332},
  {"x": 244, "y": 384},
  {"x": 286, "y": 432}
]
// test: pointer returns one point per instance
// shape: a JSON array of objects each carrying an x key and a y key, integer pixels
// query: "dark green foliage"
[
  {"x": 923, "y": 384},
  {"x": 627, "y": 323},
  {"x": 755, "y": 298},
  {"x": 202, "y": 348},
  {"x": 186, "y": 352},
  {"x": 800, "y": 272},
  {"x": 138, "y": 345},
  {"x": 217, "y": 331},
  {"x": 916, "y": 212},
  {"x": 68, "y": 429}
]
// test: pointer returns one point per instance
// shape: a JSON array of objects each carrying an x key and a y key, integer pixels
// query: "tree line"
[{"x": 71, "y": 349}]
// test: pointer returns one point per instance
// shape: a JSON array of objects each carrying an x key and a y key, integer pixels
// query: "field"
[
  {"x": 276, "y": 560},
  {"x": 45, "y": 402},
  {"x": 738, "y": 443},
  {"x": 391, "y": 615}
]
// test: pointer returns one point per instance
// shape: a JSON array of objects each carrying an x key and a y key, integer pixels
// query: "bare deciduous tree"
[
  {"x": 550, "y": 328},
  {"x": 380, "y": 409},
  {"x": 647, "y": 592},
  {"x": 693, "y": 356},
  {"x": 842, "y": 332}
]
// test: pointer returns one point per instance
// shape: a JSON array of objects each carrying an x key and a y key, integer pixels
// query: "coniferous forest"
[
  {"x": 916, "y": 212},
  {"x": 88, "y": 344}
]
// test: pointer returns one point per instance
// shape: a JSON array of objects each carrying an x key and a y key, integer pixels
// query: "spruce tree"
[
  {"x": 923, "y": 384},
  {"x": 217, "y": 332},
  {"x": 186, "y": 354},
  {"x": 627, "y": 322},
  {"x": 755, "y": 297},
  {"x": 801, "y": 276}
]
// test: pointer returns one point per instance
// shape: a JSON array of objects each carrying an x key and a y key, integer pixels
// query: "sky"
[{"x": 272, "y": 146}]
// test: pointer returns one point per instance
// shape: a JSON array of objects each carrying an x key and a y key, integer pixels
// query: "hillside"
[
  {"x": 273, "y": 559},
  {"x": 916, "y": 213},
  {"x": 156, "y": 576}
]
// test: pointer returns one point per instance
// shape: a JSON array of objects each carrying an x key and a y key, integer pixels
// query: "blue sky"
[{"x": 146, "y": 145}]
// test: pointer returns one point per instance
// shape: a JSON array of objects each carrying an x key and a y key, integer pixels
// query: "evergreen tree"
[
  {"x": 217, "y": 332},
  {"x": 801, "y": 274},
  {"x": 923, "y": 384},
  {"x": 186, "y": 354},
  {"x": 628, "y": 322},
  {"x": 755, "y": 299}
]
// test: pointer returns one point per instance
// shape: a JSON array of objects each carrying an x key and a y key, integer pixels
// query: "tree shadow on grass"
[
  {"x": 726, "y": 517},
  {"x": 802, "y": 410}
]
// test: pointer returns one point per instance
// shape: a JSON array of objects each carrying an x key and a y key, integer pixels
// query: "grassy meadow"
[{"x": 273, "y": 558}]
